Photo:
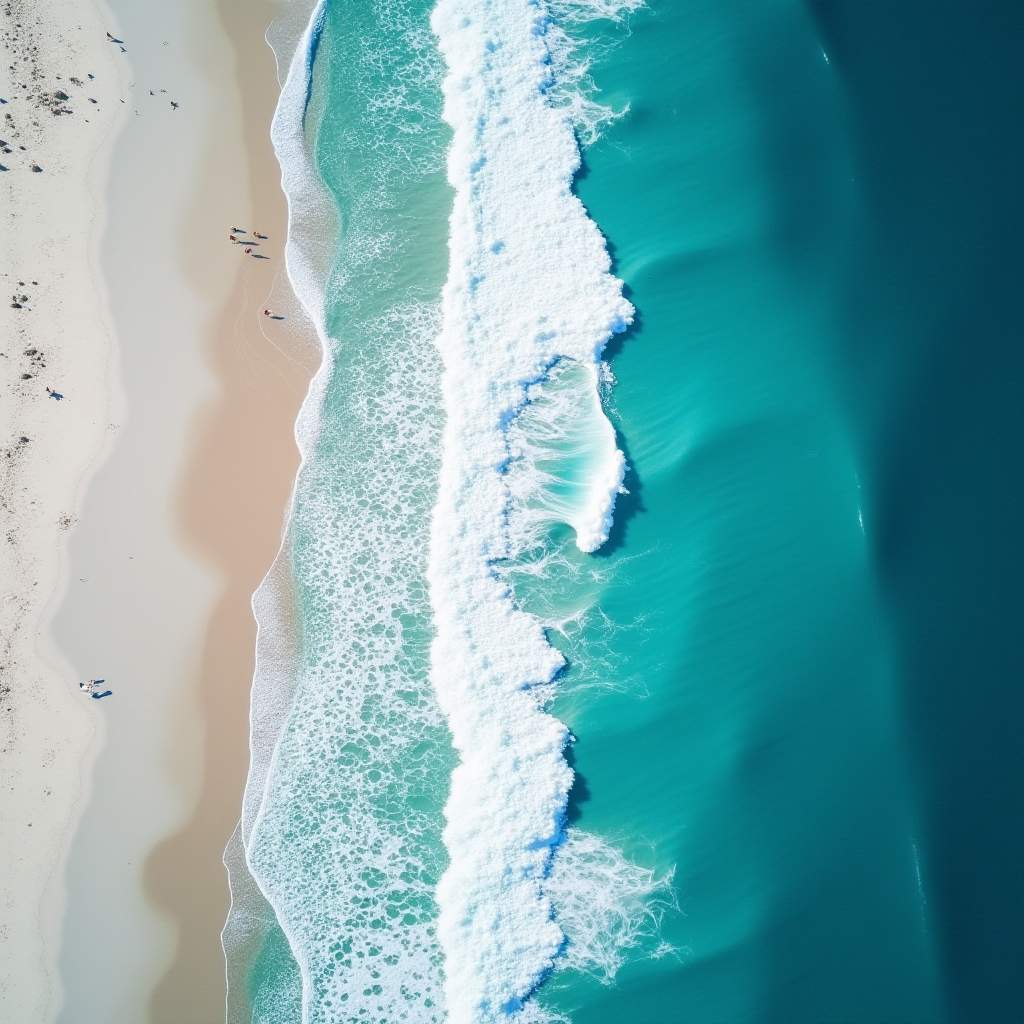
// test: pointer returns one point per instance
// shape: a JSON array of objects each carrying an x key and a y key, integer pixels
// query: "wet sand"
[
  {"x": 240, "y": 475},
  {"x": 184, "y": 519}
]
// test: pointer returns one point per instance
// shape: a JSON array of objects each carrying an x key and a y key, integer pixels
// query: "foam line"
[
  {"x": 304, "y": 261},
  {"x": 529, "y": 285}
]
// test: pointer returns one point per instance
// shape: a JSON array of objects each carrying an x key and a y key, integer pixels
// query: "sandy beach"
[{"x": 147, "y": 504}]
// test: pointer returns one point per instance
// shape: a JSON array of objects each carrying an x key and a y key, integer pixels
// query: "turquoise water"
[
  {"x": 347, "y": 847},
  {"x": 752, "y": 826},
  {"x": 760, "y": 754}
]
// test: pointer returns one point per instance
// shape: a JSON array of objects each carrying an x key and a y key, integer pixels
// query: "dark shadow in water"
[
  {"x": 936, "y": 91},
  {"x": 583, "y": 173},
  {"x": 579, "y": 794},
  {"x": 613, "y": 255},
  {"x": 617, "y": 342},
  {"x": 950, "y": 513},
  {"x": 627, "y": 506}
]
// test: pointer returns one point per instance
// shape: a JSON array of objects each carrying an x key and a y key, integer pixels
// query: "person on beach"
[
  {"x": 54, "y": 394},
  {"x": 231, "y": 238},
  {"x": 267, "y": 312},
  {"x": 248, "y": 251},
  {"x": 91, "y": 685}
]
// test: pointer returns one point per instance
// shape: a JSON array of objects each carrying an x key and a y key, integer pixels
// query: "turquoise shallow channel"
[{"x": 794, "y": 668}]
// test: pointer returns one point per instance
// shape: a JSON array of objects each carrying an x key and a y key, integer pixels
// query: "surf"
[{"x": 529, "y": 294}]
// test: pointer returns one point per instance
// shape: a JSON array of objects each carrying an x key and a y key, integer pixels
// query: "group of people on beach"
[
  {"x": 241, "y": 241},
  {"x": 232, "y": 237}
]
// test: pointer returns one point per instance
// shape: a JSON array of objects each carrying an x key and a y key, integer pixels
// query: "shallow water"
[{"x": 347, "y": 842}]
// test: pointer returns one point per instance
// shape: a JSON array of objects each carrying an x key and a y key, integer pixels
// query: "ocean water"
[{"x": 594, "y": 678}]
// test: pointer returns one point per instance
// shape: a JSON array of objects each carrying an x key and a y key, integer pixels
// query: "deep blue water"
[{"x": 934, "y": 340}]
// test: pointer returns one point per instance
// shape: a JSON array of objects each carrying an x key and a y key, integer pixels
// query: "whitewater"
[
  {"x": 404, "y": 827},
  {"x": 529, "y": 285}
]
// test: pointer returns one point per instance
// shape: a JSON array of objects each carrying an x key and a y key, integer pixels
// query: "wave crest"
[{"x": 529, "y": 306}]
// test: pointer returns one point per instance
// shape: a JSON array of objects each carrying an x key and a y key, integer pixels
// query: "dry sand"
[
  {"x": 59, "y": 338},
  {"x": 190, "y": 426}
]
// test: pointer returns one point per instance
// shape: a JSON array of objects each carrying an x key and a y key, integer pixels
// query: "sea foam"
[
  {"x": 341, "y": 821},
  {"x": 529, "y": 287}
]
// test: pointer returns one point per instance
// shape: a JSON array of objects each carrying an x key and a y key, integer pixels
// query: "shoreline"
[{"x": 250, "y": 916}]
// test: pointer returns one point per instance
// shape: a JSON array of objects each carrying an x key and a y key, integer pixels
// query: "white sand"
[{"x": 49, "y": 230}]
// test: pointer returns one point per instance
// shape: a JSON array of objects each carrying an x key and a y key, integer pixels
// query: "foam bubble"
[
  {"x": 573, "y": 89},
  {"x": 564, "y": 466},
  {"x": 344, "y": 845},
  {"x": 311, "y": 229}
]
